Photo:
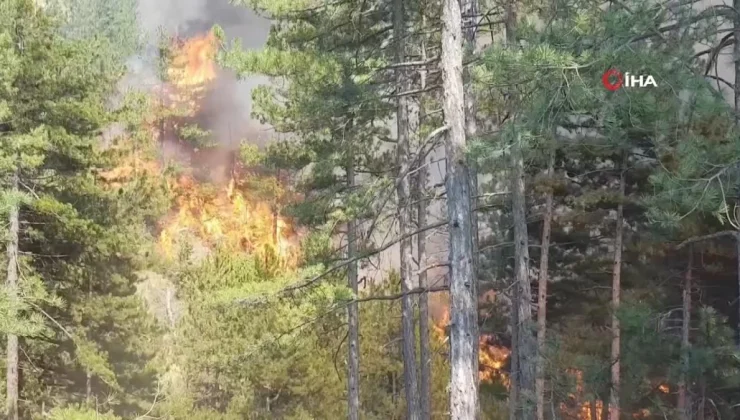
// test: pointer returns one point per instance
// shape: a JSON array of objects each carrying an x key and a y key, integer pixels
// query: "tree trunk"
[
  {"x": 683, "y": 405},
  {"x": 11, "y": 409},
  {"x": 526, "y": 346},
  {"x": 592, "y": 410},
  {"x": 737, "y": 252},
  {"x": 425, "y": 356},
  {"x": 736, "y": 57},
  {"x": 464, "y": 403},
  {"x": 514, "y": 355},
  {"x": 616, "y": 289},
  {"x": 469, "y": 10},
  {"x": 542, "y": 292},
  {"x": 353, "y": 362},
  {"x": 404, "y": 218}
]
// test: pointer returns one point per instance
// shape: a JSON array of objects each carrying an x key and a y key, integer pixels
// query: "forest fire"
[
  {"x": 223, "y": 215},
  {"x": 192, "y": 67},
  {"x": 223, "y": 212},
  {"x": 491, "y": 356}
]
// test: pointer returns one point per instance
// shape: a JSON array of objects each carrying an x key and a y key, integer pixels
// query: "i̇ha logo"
[{"x": 613, "y": 79}]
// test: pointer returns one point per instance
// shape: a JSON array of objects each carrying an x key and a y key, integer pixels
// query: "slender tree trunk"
[
  {"x": 514, "y": 371},
  {"x": 542, "y": 292},
  {"x": 353, "y": 317},
  {"x": 526, "y": 346},
  {"x": 411, "y": 385},
  {"x": 616, "y": 291},
  {"x": 736, "y": 57},
  {"x": 11, "y": 408},
  {"x": 469, "y": 10},
  {"x": 737, "y": 252},
  {"x": 425, "y": 356},
  {"x": 592, "y": 410},
  {"x": 464, "y": 403},
  {"x": 526, "y": 342},
  {"x": 683, "y": 405},
  {"x": 604, "y": 406},
  {"x": 88, "y": 373}
]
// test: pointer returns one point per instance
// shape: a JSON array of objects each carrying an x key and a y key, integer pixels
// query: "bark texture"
[
  {"x": 683, "y": 406},
  {"x": 464, "y": 403},
  {"x": 420, "y": 180},
  {"x": 411, "y": 385},
  {"x": 736, "y": 56},
  {"x": 469, "y": 10},
  {"x": 11, "y": 408},
  {"x": 353, "y": 338},
  {"x": 614, "y": 409},
  {"x": 526, "y": 342},
  {"x": 542, "y": 292}
]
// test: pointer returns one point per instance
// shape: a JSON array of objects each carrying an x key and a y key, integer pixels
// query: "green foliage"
[{"x": 80, "y": 413}]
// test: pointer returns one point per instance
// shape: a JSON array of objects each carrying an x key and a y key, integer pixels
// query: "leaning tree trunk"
[
  {"x": 11, "y": 409},
  {"x": 542, "y": 292},
  {"x": 616, "y": 291},
  {"x": 353, "y": 316},
  {"x": 464, "y": 403},
  {"x": 683, "y": 405},
  {"x": 404, "y": 216}
]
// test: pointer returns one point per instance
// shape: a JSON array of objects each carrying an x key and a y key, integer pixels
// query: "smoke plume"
[{"x": 227, "y": 107}]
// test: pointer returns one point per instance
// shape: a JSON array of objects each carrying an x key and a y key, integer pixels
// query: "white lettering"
[
  {"x": 635, "y": 81},
  {"x": 651, "y": 81},
  {"x": 627, "y": 80}
]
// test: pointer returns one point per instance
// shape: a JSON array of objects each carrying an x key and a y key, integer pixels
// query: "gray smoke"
[{"x": 227, "y": 109}]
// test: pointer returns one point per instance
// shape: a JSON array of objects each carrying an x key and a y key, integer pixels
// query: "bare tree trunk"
[
  {"x": 737, "y": 252},
  {"x": 526, "y": 345},
  {"x": 404, "y": 215},
  {"x": 542, "y": 292},
  {"x": 464, "y": 403},
  {"x": 736, "y": 57},
  {"x": 616, "y": 291},
  {"x": 11, "y": 408},
  {"x": 514, "y": 371},
  {"x": 592, "y": 410},
  {"x": 425, "y": 356},
  {"x": 469, "y": 10},
  {"x": 683, "y": 410},
  {"x": 353, "y": 362}
]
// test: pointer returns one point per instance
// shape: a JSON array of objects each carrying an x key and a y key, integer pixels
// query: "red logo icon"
[{"x": 608, "y": 75}]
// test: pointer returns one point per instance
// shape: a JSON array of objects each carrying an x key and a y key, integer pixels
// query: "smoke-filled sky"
[{"x": 228, "y": 105}]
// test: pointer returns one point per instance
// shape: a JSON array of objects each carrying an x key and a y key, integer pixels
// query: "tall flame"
[
  {"x": 212, "y": 215},
  {"x": 226, "y": 217}
]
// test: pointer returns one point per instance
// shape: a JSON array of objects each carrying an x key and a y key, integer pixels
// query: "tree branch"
[
  {"x": 706, "y": 238},
  {"x": 416, "y": 291}
]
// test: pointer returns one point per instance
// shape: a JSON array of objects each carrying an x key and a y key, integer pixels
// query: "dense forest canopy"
[{"x": 469, "y": 209}]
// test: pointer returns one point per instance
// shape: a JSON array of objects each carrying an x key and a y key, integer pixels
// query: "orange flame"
[
  {"x": 209, "y": 215},
  {"x": 191, "y": 69},
  {"x": 492, "y": 360},
  {"x": 491, "y": 357},
  {"x": 230, "y": 219}
]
